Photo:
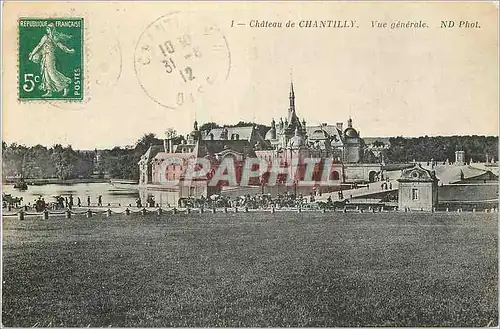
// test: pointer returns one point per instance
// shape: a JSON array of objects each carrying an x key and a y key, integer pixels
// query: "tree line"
[
  {"x": 122, "y": 162},
  {"x": 41, "y": 162},
  {"x": 441, "y": 148}
]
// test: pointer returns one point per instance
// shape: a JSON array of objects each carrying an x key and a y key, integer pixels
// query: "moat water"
[{"x": 114, "y": 194}]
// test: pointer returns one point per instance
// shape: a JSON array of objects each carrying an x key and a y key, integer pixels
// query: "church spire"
[{"x": 291, "y": 108}]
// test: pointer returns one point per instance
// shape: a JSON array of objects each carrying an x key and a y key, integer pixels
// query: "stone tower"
[{"x": 352, "y": 145}]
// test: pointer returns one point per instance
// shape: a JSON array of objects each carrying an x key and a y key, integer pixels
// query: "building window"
[{"x": 414, "y": 194}]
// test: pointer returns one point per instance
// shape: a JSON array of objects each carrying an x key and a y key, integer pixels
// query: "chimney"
[
  {"x": 170, "y": 145},
  {"x": 339, "y": 125},
  {"x": 165, "y": 146},
  {"x": 459, "y": 158}
]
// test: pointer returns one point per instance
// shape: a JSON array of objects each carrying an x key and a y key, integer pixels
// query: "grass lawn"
[{"x": 253, "y": 269}]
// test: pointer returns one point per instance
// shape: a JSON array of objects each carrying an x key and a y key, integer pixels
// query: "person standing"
[
  {"x": 88, "y": 201},
  {"x": 99, "y": 201},
  {"x": 78, "y": 201}
]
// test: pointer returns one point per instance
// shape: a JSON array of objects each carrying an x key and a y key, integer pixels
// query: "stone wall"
[
  {"x": 360, "y": 172},
  {"x": 468, "y": 192}
]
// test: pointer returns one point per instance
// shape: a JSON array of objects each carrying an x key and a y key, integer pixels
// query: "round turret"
[
  {"x": 271, "y": 133},
  {"x": 351, "y": 132}
]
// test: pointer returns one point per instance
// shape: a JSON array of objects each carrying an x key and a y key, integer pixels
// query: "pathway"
[{"x": 369, "y": 189}]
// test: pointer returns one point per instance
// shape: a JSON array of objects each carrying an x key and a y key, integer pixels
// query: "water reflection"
[{"x": 113, "y": 194}]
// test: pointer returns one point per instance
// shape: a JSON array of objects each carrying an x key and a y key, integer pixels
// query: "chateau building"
[
  {"x": 288, "y": 141},
  {"x": 320, "y": 141},
  {"x": 291, "y": 139}
]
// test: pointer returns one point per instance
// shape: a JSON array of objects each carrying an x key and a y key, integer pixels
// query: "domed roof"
[
  {"x": 319, "y": 134},
  {"x": 271, "y": 134},
  {"x": 351, "y": 132}
]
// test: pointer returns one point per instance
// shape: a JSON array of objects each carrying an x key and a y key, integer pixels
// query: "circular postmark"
[{"x": 179, "y": 58}]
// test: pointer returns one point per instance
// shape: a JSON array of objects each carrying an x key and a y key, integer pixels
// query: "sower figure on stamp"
[{"x": 45, "y": 54}]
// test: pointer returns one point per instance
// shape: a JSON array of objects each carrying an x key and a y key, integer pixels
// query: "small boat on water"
[
  {"x": 21, "y": 186},
  {"x": 123, "y": 181}
]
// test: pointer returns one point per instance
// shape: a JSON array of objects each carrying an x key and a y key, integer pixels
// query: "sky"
[{"x": 392, "y": 82}]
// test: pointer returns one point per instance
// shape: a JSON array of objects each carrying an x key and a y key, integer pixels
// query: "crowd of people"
[
  {"x": 258, "y": 201},
  {"x": 62, "y": 202},
  {"x": 285, "y": 199}
]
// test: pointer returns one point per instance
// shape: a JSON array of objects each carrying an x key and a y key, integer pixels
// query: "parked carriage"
[
  {"x": 9, "y": 200},
  {"x": 332, "y": 204}
]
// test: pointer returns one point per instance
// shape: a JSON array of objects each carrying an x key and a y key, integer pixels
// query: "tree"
[
  {"x": 146, "y": 141},
  {"x": 12, "y": 159},
  {"x": 66, "y": 162},
  {"x": 38, "y": 163},
  {"x": 208, "y": 126}
]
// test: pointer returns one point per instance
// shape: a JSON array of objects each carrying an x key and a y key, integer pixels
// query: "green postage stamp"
[{"x": 51, "y": 59}]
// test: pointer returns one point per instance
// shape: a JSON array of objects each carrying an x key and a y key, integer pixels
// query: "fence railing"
[{"x": 68, "y": 213}]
